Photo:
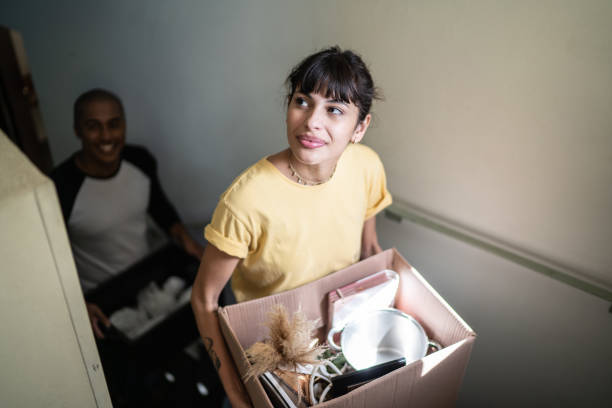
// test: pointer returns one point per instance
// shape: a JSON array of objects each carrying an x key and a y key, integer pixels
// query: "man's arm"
[
  {"x": 68, "y": 181},
  {"x": 215, "y": 270},
  {"x": 181, "y": 235},
  {"x": 159, "y": 207}
]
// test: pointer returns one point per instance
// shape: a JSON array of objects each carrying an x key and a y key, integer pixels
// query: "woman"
[{"x": 299, "y": 214}]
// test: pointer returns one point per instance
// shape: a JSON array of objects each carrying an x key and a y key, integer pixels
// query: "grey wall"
[
  {"x": 202, "y": 81},
  {"x": 540, "y": 343},
  {"x": 496, "y": 116}
]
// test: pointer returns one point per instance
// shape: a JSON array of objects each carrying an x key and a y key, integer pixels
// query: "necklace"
[{"x": 304, "y": 181}]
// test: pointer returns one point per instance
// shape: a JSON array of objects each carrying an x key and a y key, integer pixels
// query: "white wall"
[
  {"x": 540, "y": 343},
  {"x": 497, "y": 116}
]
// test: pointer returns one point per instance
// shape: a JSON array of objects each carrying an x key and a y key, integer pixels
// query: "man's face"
[{"x": 102, "y": 132}]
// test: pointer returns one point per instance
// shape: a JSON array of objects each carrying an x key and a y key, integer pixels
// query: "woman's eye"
[
  {"x": 334, "y": 110},
  {"x": 301, "y": 101}
]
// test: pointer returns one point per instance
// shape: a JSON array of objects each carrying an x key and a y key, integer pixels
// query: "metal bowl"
[{"x": 380, "y": 336}]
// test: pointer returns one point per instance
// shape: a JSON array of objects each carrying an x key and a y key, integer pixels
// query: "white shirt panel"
[{"x": 109, "y": 219}]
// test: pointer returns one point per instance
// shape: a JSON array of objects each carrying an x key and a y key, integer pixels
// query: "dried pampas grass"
[{"x": 291, "y": 342}]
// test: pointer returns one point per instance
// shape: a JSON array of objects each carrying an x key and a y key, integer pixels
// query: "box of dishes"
[{"x": 386, "y": 338}]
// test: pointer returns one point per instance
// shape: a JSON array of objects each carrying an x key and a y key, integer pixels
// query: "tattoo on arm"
[{"x": 208, "y": 344}]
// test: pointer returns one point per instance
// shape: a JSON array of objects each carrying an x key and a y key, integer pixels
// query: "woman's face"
[{"x": 319, "y": 128}]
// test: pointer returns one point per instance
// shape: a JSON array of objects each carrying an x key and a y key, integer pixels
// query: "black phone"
[{"x": 344, "y": 383}]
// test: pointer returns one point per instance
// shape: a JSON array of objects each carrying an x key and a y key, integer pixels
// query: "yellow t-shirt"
[{"x": 288, "y": 234}]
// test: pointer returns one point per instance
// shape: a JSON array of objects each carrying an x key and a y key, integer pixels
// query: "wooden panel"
[{"x": 20, "y": 110}]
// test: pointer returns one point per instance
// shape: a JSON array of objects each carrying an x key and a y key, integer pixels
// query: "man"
[{"x": 107, "y": 190}]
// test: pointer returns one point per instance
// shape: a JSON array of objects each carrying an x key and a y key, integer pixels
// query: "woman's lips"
[{"x": 310, "y": 142}]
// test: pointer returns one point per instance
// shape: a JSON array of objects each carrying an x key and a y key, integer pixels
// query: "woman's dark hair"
[
  {"x": 342, "y": 75},
  {"x": 96, "y": 94}
]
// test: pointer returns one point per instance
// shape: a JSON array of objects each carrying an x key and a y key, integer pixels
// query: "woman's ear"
[{"x": 361, "y": 128}]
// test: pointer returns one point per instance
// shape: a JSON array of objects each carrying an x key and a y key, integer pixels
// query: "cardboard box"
[{"x": 433, "y": 381}]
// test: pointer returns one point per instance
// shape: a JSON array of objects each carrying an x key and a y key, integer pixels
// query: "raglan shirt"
[{"x": 106, "y": 218}]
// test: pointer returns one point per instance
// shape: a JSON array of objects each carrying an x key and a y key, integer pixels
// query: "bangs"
[
  {"x": 337, "y": 75},
  {"x": 331, "y": 77}
]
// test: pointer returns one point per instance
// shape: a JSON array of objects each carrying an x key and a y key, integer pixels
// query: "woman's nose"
[{"x": 313, "y": 120}]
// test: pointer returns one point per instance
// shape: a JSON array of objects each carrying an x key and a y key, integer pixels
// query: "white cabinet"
[{"x": 48, "y": 356}]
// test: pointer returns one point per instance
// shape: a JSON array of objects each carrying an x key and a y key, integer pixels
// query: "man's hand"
[
  {"x": 180, "y": 234},
  {"x": 96, "y": 316}
]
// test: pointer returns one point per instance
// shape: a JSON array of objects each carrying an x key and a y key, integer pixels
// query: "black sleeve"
[
  {"x": 68, "y": 179},
  {"x": 160, "y": 208}
]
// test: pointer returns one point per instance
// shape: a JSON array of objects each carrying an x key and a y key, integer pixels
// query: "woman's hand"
[
  {"x": 180, "y": 234},
  {"x": 96, "y": 315},
  {"x": 369, "y": 239}
]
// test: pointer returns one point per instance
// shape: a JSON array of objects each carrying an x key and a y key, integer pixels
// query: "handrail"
[{"x": 399, "y": 211}]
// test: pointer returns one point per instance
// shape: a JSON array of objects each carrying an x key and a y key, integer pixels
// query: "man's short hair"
[{"x": 96, "y": 94}]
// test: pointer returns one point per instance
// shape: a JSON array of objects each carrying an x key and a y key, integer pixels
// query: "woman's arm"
[
  {"x": 215, "y": 270},
  {"x": 369, "y": 239}
]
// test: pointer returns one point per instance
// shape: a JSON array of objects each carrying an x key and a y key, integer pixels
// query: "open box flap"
[{"x": 258, "y": 395}]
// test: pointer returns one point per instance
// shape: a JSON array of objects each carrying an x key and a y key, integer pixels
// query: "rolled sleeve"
[
  {"x": 378, "y": 195},
  {"x": 227, "y": 232}
]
